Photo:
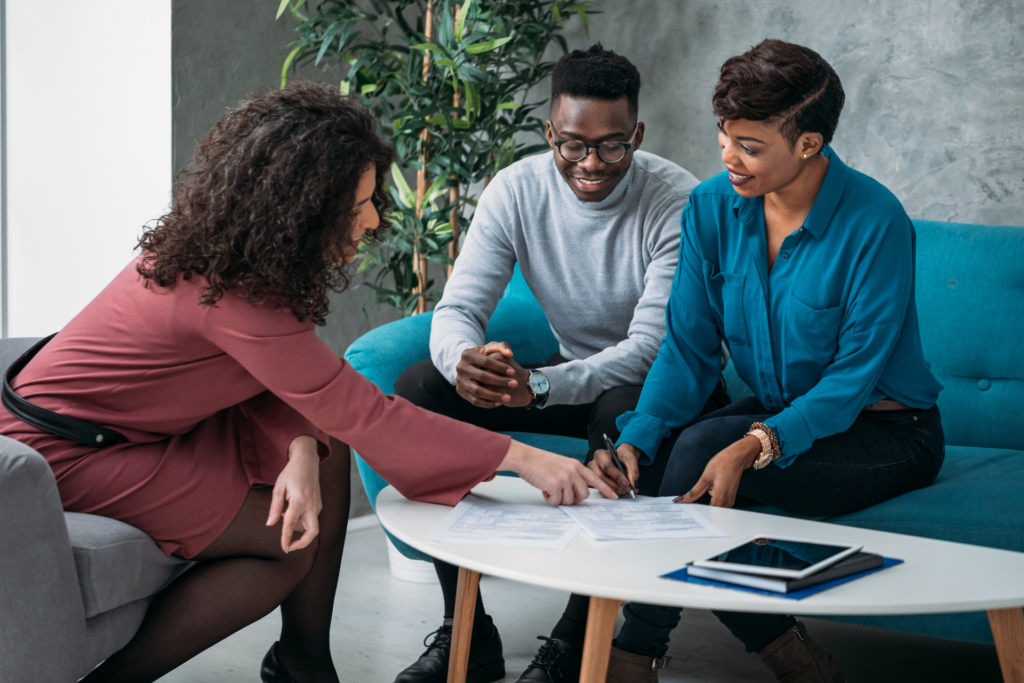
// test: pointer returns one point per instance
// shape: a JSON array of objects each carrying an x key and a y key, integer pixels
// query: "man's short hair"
[
  {"x": 598, "y": 74},
  {"x": 779, "y": 82}
]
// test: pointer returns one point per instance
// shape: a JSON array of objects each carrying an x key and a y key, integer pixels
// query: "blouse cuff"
[
  {"x": 643, "y": 431},
  {"x": 793, "y": 434}
]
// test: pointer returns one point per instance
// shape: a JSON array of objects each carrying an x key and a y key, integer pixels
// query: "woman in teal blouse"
[{"x": 805, "y": 267}]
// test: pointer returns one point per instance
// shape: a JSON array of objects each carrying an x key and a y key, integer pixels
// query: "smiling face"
[
  {"x": 593, "y": 121},
  {"x": 364, "y": 215},
  {"x": 759, "y": 159}
]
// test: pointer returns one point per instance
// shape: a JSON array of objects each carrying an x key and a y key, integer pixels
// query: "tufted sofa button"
[{"x": 984, "y": 385}]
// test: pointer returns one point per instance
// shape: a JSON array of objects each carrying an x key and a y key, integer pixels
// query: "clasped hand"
[{"x": 487, "y": 377}]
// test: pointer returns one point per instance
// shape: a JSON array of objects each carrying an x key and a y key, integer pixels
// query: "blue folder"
[{"x": 683, "y": 575}]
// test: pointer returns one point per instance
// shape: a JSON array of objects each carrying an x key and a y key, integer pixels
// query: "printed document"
[
  {"x": 482, "y": 522},
  {"x": 642, "y": 519}
]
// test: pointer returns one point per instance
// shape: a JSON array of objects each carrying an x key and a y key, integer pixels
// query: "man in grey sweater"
[{"x": 594, "y": 227}]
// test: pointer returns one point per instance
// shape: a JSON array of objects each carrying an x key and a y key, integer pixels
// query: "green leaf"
[
  {"x": 472, "y": 99},
  {"x": 583, "y": 18},
  {"x": 508, "y": 105},
  {"x": 487, "y": 45},
  {"x": 344, "y": 87},
  {"x": 437, "y": 188},
  {"x": 281, "y": 8},
  {"x": 460, "y": 23},
  {"x": 445, "y": 62},
  {"x": 332, "y": 31},
  {"x": 407, "y": 195},
  {"x": 556, "y": 11},
  {"x": 368, "y": 88},
  {"x": 428, "y": 46},
  {"x": 287, "y": 64}
]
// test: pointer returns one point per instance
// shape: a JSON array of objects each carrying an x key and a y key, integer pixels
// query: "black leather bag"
[{"x": 81, "y": 431}]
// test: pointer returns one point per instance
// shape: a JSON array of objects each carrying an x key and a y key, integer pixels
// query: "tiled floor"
[{"x": 380, "y": 624}]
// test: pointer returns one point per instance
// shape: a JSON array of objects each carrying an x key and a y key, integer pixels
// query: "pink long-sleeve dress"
[{"x": 209, "y": 399}]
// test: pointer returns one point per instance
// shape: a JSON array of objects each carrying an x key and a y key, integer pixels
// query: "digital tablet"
[{"x": 791, "y": 558}]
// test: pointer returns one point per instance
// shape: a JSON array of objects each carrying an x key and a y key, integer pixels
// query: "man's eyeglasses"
[{"x": 612, "y": 152}]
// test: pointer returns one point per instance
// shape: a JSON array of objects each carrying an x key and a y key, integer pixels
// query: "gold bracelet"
[{"x": 776, "y": 450}]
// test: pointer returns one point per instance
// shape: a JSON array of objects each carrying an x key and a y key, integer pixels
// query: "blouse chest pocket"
[
  {"x": 734, "y": 318},
  {"x": 811, "y": 335}
]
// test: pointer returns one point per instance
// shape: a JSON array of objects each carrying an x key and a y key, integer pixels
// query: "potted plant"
[{"x": 448, "y": 81}]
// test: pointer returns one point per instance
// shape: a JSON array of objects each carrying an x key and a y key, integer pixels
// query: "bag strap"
[{"x": 81, "y": 431}]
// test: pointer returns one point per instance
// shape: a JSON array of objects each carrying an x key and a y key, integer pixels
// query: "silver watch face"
[{"x": 539, "y": 383}]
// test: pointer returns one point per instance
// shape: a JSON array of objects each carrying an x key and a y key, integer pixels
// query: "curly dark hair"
[
  {"x": 596, "y": 73},
  {"x": 266, "y": 205},
  {"x": 782, "y": 83}
]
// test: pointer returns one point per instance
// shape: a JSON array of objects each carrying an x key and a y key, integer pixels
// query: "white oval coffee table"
[{"x": 936, "y": 576}]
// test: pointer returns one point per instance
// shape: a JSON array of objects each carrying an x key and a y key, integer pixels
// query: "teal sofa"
[{"x": 970, "y": 298}]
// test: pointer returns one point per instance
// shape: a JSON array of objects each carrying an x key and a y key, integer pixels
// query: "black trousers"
[{"x": 423, "y": 385}]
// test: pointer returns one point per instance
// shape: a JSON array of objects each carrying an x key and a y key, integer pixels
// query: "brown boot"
[
  {"x": 626, "y": 667},
  {"x": 794, "y": 658}
]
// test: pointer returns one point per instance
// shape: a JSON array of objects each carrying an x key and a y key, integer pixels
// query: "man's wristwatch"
[{"x": 540, "y": 387}]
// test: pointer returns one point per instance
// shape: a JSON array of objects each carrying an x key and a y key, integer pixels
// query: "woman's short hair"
[
  {"x": 266, "y": 205},
  {"x": 783, "y": 83}
]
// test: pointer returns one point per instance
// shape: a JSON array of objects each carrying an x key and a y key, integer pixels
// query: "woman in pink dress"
[{"x": 203, "y": 354}]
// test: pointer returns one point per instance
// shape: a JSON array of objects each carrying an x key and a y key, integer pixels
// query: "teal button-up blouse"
[{"x": 832, "y": 328}]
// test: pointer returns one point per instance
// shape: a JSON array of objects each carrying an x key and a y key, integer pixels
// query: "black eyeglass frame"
[{"x": 625, "y": 145}]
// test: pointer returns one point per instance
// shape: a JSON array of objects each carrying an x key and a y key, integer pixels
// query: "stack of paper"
[
  {"x": 642, "y": 519},
  {"x": 481, "y": 522}
]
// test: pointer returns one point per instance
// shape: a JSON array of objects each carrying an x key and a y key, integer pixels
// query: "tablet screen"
[{"x": 778, "y": 553}]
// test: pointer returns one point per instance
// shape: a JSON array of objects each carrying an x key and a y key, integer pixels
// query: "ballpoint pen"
[{"x": 618, "y": 463}]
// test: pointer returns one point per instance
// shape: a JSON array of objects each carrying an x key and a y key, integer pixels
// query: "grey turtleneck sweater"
[{"x": 602, "y": 271}]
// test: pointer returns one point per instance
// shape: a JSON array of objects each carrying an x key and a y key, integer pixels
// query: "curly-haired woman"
[
  {"x": 806, "y": 268},
  {"x": 203, "y": 354}
]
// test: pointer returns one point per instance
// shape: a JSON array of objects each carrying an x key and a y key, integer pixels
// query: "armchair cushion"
[{"x": 116, "y": 563}]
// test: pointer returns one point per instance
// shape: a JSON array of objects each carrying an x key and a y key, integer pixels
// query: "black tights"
[{"x": 243, "y": 576}]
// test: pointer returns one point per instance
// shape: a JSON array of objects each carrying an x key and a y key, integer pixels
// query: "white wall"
[{"x": 88, "y": 153}]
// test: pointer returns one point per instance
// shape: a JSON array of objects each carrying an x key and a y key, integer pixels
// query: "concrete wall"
[
  {"x": 221, "y": 51},
  {"x": 934, "y": 88},
  {"x": 935, "y": 92}
]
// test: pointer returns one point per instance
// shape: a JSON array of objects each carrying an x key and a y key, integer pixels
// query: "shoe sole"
[{"x": 487, "y": 674}]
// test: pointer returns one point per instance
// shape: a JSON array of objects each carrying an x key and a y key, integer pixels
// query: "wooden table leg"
[
  {"x": 1008, "y": 632},
  {"x": 597, "y": 646},
  {"x": 462, "y": 629}
]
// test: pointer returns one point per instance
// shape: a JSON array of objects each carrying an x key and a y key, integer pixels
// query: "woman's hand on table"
[
  {"x": 604, "y": 467},
  {"x": 562, "y": 480},
  {"x": 296, "y": 496},
  {"x": 722, "y": 474}
]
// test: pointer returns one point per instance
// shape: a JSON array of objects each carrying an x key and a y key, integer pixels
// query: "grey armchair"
[{"x": 73, "y": 587}]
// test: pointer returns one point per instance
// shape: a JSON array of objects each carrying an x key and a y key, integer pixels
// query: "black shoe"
[
  {"x": 486, "y": 663},
  {"x": 556, "y": 662},
  {"x": 272, "y": 671}
]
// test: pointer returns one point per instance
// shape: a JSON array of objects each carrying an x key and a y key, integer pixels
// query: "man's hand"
[
  {"x": 297, "y": 495},
  {"x": 722, "y": 474},
  {"x": 519, "y": 391},
  {"x": 604, "y": 467},
  {"x": 484, "y": 377}
]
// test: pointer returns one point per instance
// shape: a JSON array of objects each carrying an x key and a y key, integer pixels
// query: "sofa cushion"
[
  {"x": 975, "y": 499},
  {"x": 116, "y": 563}
]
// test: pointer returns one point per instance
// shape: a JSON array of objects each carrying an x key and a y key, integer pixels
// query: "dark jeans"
[{"x": 881, "y": 456}]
